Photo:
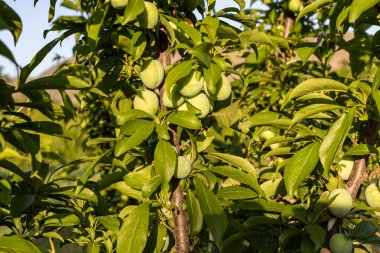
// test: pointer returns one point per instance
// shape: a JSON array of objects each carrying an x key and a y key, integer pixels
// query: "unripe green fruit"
[
  {"x": 346, "y": 166},
  {"x": 183, "y": 167},
  {"x": 342, "y": 204},
  {"x": 191, "y": 85},
  {"x": 223, "y": 89},
  {"x": 340, "y": 244},
  {"x": 146, "y": 101},
  {"x": 267, "y": 134},
  {"x": 152, "y": 73},
  {"x": 190, "y": 5},
  {"x": 119, "y": 4},
  {"x": 294, "y": 5},
  {"x": 372, "y": 195},
  {"x": 175, "y": 100},
  {"x": 201, "y": 102},
  {"x": 149, "y": 17}
]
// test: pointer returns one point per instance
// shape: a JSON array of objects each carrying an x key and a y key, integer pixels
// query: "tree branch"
[
  {"x": 359, "y": 172},
  {"x": 180, "y": 216}
]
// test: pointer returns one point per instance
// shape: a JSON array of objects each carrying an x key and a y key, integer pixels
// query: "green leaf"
[
  {"x": 10, "y": 20},
  {"x": 358, "y": 7},
  {"x": 235, "y": 161},
  {"x": 362, "y": 149},
  {"x": 138, "y": 44},
  {"x": 261, "y": 205},
  {"x": 312, "y": 7},
  {"x": 213, "y": 213},
  {"x": 55, "y": 82},
  {"x": 126, "y": 143},
  {"x": 296, "y": 211},
  {"x": 133, "y": 9},
  {"x": 14, "y": 244},
  {"x": 165, "y": 160},
  {"x": 131, "y": 126},
  {"x": 300, "y": 166},
  {"x": 313, "y": 109},
  {"x": 317, "y": 234},
  {"x": 335, "y": 138},
  {"x": 14, "y": 169},
  {"x": 179, "y": 71},
  {"x": 90, "y": 168},
  {"x": 195, "y": 213},
  {"x": 20, "y": 203},
  {"x": 193, "y": 33},
  {"x": 184, "y": 119},
  {"x": 151, "y": 186},
  {"x": 137, "y": 178},
  {"x": 45, "y": 127},
  {"x": 317, "y": 85},
  {"x": 130, "y": 192},
  {"x": 212, "y": 76},
  {"x": 41, "y": 55},
  {"x": 131, "y": 114},
  {"x": 306, "y": 49},
  {"x": 256, "y": 37},
  {"x": 52, "y": 10},
  {"x": 236, "y": 192},
  {"x": 229, "y": 115},
  {"x": 94, "y": 25},
  {"x": 238, "y": 175},
  {"x": 4, "y": 51},
  {"x": 62, "y": 220},
  {"x": 376, "y": 98},
  {"x": 363, "y": 230},
  {"x": 133, "y": 233}
]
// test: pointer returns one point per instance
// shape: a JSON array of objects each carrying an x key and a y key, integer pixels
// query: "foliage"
[{"x": 99, "y": 169}]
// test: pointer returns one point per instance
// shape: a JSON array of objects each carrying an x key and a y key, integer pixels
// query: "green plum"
[
  {"x": 146, "y": 101},
  {"x": 342, "y": 204},
  {"x": 152, "y": 74},
  {"x": 148, "y": 19}
]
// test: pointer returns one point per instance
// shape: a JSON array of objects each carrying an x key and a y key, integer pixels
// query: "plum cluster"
[{"x": 189, "y": 92}]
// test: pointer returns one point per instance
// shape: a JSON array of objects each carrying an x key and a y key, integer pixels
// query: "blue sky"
[{"x": 35, "y": 21}]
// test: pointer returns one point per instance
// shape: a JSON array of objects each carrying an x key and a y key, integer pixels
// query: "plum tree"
[
  {"x": 152, "y": 73},
  {"x": 345, "y": 167},
  {"x": 339, "y": 243},
  {"x": 119, "y": 4},
  {"x": 223, "y": 89},
  {"x": 146, "y": 101},
  {"x": 342, "y": 204},
  {"x": 183, "y": 168},
  {"x": 372, "y": 195},
  {"x": 148, "y": 19},
  {"x": 191, "y": 85},
  {"x": 175, "y": 100},
  {"x": 201, "y": 102}
]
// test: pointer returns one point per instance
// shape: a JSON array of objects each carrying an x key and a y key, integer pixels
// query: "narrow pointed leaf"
[
  {"x": 213, "y": 213},
  {"x": 300, "y": 166}
]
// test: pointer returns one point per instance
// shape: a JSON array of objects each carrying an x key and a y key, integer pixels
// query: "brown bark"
[
  {"x": 180, "y": 216},
  {"x": 359, "y": 172},
  {"x": 181, "y": 220}
]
